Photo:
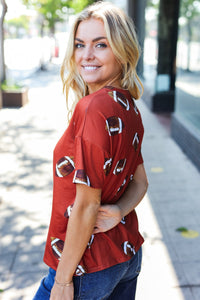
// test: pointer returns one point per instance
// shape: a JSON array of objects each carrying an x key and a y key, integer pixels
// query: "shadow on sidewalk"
[{"x": 22, "y": 246}]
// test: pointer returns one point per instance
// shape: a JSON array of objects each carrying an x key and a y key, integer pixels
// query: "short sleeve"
[
  {"x": 89, "y": 162},
  {"x": 140, "y": 159}
]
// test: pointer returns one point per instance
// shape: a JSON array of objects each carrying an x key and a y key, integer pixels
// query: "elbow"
[
  {"x": 89, "y": 209},
  {"x": 146, "y": 185}
]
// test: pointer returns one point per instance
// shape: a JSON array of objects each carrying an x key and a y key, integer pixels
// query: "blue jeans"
[{"x": 115, "y": 283}]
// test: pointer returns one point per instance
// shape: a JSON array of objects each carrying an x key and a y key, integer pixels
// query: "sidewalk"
[{"x": 171, "y": 262}]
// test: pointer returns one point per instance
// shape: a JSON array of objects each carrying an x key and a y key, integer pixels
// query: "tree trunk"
[
  {"x": 2, "y": 58},
  {"x": 42, "y": 63}
]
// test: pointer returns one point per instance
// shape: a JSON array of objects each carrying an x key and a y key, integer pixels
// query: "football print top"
[{"x": 102, "y": 149}]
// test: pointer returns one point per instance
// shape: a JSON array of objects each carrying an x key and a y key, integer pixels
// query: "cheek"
[
  {"x": 115, "y": 67},
  {"x": 112, "y": 62}
]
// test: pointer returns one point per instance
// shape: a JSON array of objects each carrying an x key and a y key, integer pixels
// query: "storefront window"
[{"x": 188, "y": 64}]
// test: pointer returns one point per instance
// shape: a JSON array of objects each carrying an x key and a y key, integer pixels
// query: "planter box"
[{"x": 15, "y": 98}]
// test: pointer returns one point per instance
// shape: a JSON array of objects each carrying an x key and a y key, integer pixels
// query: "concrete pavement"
[{"x": 171, "y": 262}]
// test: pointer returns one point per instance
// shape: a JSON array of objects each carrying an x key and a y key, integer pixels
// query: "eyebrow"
[{"x": 94, "y": 40}]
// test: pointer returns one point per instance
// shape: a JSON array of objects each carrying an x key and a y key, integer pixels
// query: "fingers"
[
  {"x": 104, "y": 208},
  {"x": 62, "y": 293}
]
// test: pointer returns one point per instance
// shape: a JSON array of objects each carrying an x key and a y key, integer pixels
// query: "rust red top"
[{"x": 100, "y": 148}]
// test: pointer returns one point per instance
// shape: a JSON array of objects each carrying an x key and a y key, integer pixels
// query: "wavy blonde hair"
[{"x": 123, "y": 41}]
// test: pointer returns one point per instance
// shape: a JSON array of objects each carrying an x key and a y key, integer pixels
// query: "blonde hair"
[{"x": 123, "y": 41}]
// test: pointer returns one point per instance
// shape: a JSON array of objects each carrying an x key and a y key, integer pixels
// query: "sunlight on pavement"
[
  {"x": 157, "y": 170},
  {"x": 157, "y": 274},
  {"x": 191, "y": 88}
]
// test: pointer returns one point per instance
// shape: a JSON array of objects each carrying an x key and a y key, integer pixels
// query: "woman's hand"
[
  {"x": 59, "y": 292},
  {"x": 108, "y": 217}
]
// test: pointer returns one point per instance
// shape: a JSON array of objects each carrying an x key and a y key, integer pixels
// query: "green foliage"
[
  {"x": 182, "y": 229},
  {"x": 56, "y": 10},
  {"x": 20, "y": 22},
  {"x": 14, "y": 26},
  {"x": 6, "y": 86},
  {"x": 78, "y": 5},
  {"x": 190, "y": 8},
  {"x": 52, "y": 10},
  {"x": 153, "y": 3}
]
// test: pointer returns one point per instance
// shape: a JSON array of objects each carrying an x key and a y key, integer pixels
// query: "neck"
[{"x": 115, "y": 82}]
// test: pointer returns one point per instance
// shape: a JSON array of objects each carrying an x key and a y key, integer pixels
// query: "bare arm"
[
  {"x": 79, "y": 231},
  {"x": 110, "y": 215}
]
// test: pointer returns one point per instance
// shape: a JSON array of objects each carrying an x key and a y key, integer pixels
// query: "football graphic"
[
  {"x": 90, "y": 241},
  {"x": 123, "y": 184},
  {"x": 135, "y": 142},
  {"x": 57, "y": 247},
  {"x": 123, "y": 221},
  {"x": 114, "y": 125},
  {"x": 128, "y": 249},
  {"x": 119, "y": 166},
  {"x": 68, "y": 211},
  {"x": 120, "y": 98},
  {"x": 135, "y": 107},
  {"x": 64, "y": 166},
  {"x": 81, "y": 177},
  {"x": 107, "y": 165},
  {"x": 80, "y": 270}
]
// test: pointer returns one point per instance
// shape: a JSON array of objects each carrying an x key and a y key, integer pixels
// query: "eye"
[
  {"x": 79, "y": 45},
  {"x": 101, "y": 45}
]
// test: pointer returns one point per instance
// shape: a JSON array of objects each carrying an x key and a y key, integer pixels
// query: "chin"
[{"x": 90, "y": 79}]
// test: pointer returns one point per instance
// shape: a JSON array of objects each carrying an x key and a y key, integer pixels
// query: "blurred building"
[
  {"x": 185, "y": 127},
  {"x": 173, "y": 83},
  {"x": 121, "y": 3},
  {"x": 171, "y": 75}
]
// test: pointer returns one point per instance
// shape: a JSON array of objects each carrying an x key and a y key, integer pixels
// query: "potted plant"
[{"x": 14, "y": 95}]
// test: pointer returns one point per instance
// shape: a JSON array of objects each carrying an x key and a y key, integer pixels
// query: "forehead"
[{"x": 90, "y": 29}]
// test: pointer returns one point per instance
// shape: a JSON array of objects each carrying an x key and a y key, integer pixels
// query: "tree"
[
  {"x": 78, "y": 5},
  {"x": 53, "y": 11},
  {"x": 3, "y": 10},
  {"x": 20, "y": 24},
  {"x": 189, "y": 10}
]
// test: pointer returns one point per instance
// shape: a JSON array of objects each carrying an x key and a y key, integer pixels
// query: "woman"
[{"x": 93, "y": 247}]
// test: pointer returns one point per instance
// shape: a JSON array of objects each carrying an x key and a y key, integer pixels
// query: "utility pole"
[
  {"x": 164, "y": 98},
  {"x": 136, "y": 10}
]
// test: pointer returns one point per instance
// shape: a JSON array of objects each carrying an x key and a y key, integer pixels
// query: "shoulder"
[
  {"x": 93, "y": 107},
  {"x": 100, "y": 105},
  {"x": 95, "y": 102},
  {"x": 90, "y": 111}
]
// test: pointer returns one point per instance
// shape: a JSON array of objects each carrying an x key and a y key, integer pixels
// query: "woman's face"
[{"x": 94, "y": 57}]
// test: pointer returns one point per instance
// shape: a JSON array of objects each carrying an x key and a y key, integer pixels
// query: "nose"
[{"x": 88, "y": 53}]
